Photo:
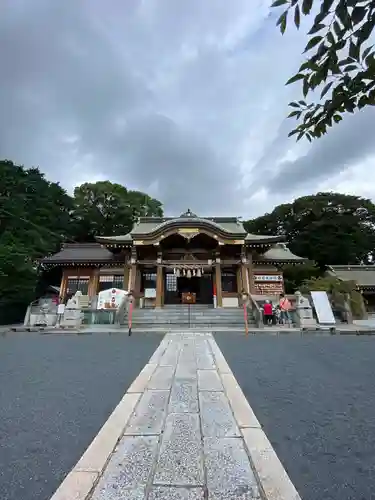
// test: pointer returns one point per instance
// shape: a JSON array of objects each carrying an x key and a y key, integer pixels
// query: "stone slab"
[
  {"x": 171, "y": 355},
  {"x": 155, "y": 358},
  {"x": 272, "y": 476},
  {"x": 128, "y": 471},
  {"x": 97, "y": 454},
  {"x": 209, "y": 380},
  {"x": 162, "y": 378},
  {"x": 216, "y": 415},
  {"x": 187, "y": 354},
  {"x": 205, "y": 361},
  {"x": 186, "y": 371},
  {"x": 242, "y": 411},
  {"x": 184, "y": 396},
  {"x": 173, "y": 493},
  {"x": 221, "y": 364},
  {"x": 76, "y": 486},
  {"x": 149, "y": 414},
  {"x": 229, "y": 474},
  {"x": 180, "y": 461},
  {"x": 140, "y": 383}
]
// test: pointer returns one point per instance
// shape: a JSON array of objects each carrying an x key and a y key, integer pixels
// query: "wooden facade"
[{"x": 163, "y": 258}]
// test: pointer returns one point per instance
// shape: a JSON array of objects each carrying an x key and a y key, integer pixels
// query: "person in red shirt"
[{"x": 267, "y": 313}]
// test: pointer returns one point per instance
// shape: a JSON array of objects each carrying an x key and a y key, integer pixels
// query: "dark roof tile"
[{"x": 80, "y": 252}]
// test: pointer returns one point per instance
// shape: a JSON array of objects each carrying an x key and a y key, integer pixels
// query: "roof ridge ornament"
[{"x": 188, "y": 214}]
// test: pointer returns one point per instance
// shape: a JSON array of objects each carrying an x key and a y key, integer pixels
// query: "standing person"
[
  {"x": 267, "y": 313},
  {"x": 285, "y": 307}
]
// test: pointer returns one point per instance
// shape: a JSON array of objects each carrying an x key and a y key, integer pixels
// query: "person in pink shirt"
[{"x": 285, "y": 307}]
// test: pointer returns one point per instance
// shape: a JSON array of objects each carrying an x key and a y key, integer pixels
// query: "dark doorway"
[{"x": 176, "y": 286}]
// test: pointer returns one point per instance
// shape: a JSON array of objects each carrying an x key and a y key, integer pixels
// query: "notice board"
[{"x": 323, "y": 308}]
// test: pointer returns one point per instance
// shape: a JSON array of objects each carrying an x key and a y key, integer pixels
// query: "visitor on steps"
[
  {"x": 285, "y": 307},
  {"x": 267, "y": 313}
]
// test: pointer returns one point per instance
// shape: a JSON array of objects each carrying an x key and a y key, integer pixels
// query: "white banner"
[{"x": 323, "y": 308}]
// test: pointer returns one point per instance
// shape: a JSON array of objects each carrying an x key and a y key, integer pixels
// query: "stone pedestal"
[
  {"x": 72, "y": 317},
  {"x": 304, "y": 314}
]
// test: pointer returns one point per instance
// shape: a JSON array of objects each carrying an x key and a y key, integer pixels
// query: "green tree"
[
  {"x": 295, "y": 276},
  {"x": 105, "y": 208},
  {"x": 35, "y": 217},
  {"x": 339, "y": 62},
  {"x": 327, "y": 228}
]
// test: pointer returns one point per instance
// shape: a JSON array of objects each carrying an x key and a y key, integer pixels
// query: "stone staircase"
[{"x": 193, "y": 316}]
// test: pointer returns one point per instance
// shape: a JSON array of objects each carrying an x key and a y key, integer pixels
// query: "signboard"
[
  {"x": 268, "y": 277},
  {"x": 150, "y": 293},
  {"x": 323, "y": 308},
  {"x": 264, "y": 288},
  {"x": 268, "y": 284},
  {"x": 111, "y": 298}
]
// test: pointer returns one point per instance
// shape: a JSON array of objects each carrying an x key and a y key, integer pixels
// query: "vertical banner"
[{"x": 214, "y": 293}]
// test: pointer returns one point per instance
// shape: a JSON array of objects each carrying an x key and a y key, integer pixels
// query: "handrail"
[{"x": 258, "y": 316}]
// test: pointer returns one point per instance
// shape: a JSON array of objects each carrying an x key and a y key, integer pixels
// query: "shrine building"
[{"x": 162, "y": 258}]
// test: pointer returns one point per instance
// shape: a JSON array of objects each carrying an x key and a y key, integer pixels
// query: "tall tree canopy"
[
  {"x": 339, "y": 61},
  {"x": 105, "y": 208},
  {"x": 37, "y": 216},
  {"x": 328, "y": 228}
]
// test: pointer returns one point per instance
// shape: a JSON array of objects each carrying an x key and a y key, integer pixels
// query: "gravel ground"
[
  {"x": 56, "y": 391},
  {"x": 315, "y": 397}
]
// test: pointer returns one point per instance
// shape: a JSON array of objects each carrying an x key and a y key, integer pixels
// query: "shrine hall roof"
[
  {"x": 363, "y": 275},
  {"x": 80, "y": 253},
  {"x": 281, "y": 253},
  {"x": 231, "y": 226}
]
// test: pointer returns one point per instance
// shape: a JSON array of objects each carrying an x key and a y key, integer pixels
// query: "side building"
[{"x": 162, "y": 258}]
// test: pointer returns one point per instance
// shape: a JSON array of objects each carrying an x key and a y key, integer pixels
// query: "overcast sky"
[{"x": 182, "y": 99}]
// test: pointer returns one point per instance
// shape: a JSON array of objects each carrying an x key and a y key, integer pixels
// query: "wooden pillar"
[
  {"x": 244, "y": 271},
  {"x": 219, "y": 292},
  {"x": 138, "y": 278},
  {"x": 93, "y": 283},
  {"x": 159, "y": 286},
  {"x": 159, "y": 280},
  {"x": 126, "y": 277},
  {"x": 244, "y": 277},
  {"x": 250, "y": 272},
  {"x": 239, "y": 280},
  {"x": 63, "y": 286}
]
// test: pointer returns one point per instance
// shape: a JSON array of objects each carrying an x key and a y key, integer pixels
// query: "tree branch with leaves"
[{"x": 338, "y": 62}]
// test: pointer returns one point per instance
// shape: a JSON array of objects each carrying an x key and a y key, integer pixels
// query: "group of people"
[{"x": 278, "y": 314}]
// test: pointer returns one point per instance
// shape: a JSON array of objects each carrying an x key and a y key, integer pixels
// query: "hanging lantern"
[
  {"x": 174, "y": 271},
  {"x": 193, "y": 272},
  {"x": 183, "y": 272},
  {"x": 188, "y": 273},
  {"x": 199, "y": 273},
  {"x": 177, "y": 273}
]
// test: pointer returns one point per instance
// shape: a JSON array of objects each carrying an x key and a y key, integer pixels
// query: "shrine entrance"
[{"x": 175, "y": 286}]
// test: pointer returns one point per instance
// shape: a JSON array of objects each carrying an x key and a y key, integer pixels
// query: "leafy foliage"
[
  {"x": 295, "y": 276},
  {"x": 327, "y": 228},
  {"x": 36, "y": 216},
  {"x": 338, "y": 291},
  {"x": 339, "y": 62},
  {"x": 109, "y": 209}
]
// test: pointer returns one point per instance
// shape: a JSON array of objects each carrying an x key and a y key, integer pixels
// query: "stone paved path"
[{"x": 182, "y": 441}]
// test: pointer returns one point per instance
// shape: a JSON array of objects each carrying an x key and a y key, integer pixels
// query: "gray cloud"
[
  {"x": 185, "y": 100},
  {"x": 345, "y": 145}
]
